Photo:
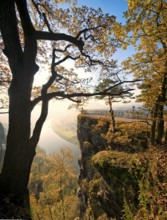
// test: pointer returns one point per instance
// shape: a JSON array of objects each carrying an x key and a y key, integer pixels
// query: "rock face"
[
  {"x": 91, "y": 142},
  {"x": 117, "y": 172}
]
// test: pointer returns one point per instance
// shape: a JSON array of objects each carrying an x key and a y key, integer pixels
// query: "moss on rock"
[
  {"x": 135, "y": 181},
  {"x": 124, "y": 179}
]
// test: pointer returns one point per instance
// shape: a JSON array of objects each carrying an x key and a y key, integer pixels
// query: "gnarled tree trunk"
[
  {"x": 19, "y": 149},
  {"x": 18, "y": 135}
]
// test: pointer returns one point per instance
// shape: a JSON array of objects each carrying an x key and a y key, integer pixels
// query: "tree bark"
[
  {"x": 161, "y": 101},
  {"x": 165, "y": 143},
  {"x": 18, "y": 157},
  {"x": 111, "y": 114},
  {"x": 16, "y": 167},
  {"x": 153, "y": 124},
  {"x": 18, "y": 138},
  {"x": 160, "y": 124}
]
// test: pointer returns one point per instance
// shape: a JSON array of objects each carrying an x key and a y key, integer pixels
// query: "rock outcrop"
[{"x": 118, "y": 172}]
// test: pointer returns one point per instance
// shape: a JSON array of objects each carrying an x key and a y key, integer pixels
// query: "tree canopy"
[
  {"x": 53, "y": 186},
  {"x": 118, "y": 91},
  {"x": 146, "y": 29}
]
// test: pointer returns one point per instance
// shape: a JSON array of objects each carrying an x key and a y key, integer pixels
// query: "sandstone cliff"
[{"x": 120, "y": 178}]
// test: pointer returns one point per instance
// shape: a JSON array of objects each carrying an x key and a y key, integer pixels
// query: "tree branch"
[
  {"x": 43, "y": 35},
  {"x": 25, "y": 17},
  {"x": 39, "y": 124},
  {"x": 9, "y": 29},
  {"x": 44, "y": 109},
  {"x": 120, "y": 83},
  {"x": 73, "y": 100},
  {"x": 93, "y": 62},
  {"x": 87, "y": 29},
  {"x": 65, "y": 58},
  {"x": 4, "y": 113},
  {"x": 65, "y": 49},
  {"x": 47, "y": 23},
  {"x": 36, "y": 7},
  {"x": 30, "y": 47},
  {"x": 51, "y": 79},
  {"x": 62, "y": 94}
]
